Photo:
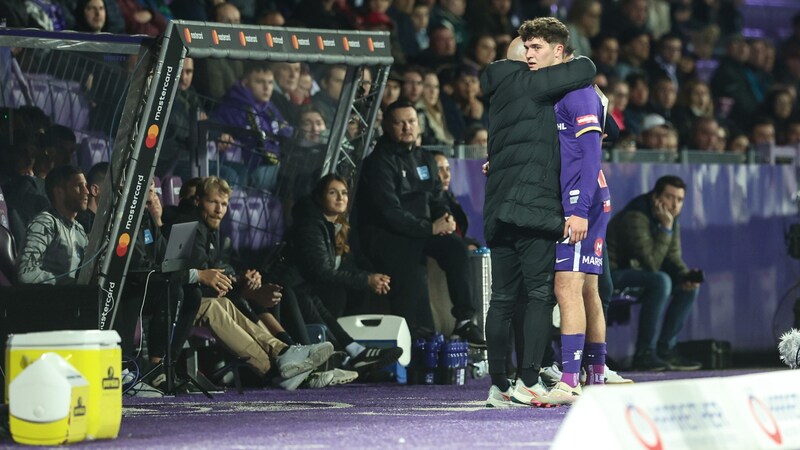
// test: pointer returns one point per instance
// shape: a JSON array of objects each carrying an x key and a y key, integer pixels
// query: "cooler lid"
[{"x": 64, "y": 338}]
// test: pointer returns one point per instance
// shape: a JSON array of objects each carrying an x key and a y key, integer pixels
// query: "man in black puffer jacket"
[
  {"x": 523, "y": 216},
  {"x": 403, "y": 217}
]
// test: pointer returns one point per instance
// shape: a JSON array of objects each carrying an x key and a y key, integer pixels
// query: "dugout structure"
[{"x": 145, "y": 110}]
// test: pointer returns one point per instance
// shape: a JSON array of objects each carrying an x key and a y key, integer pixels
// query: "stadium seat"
[
  {"x": 3, "y": 211},
  {"x": 157, "y": 182},
  {"x": 12, "y": 94},
  {"x": 70, "y": 107},
  {"x": 8, "y": 257},
  {"x": 619, "y": 307},
  {"x": 93, "y": 149},
  {"x": 265, "y": 220},
  {"x": 235, "y": 222},
  {"x": 40, "y": 92},
  {"x": 171, "y": 190}
]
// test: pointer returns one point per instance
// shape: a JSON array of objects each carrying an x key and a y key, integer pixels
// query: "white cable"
[{"x": 141, "y": 310}]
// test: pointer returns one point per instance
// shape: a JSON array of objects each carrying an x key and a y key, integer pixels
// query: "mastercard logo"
[
  {"x": 152, "y": 136},
  {"x": 187, "y": 35},
  {"x": 370, "y": 45},
  {"x": 242, "y": 40},
  {"x": 345, "y": 44},
  {"x": 269, "y": 40},
  {"x": 122, "y": 244},
  {"x": 320, "y": 44},
  {"x": 295, "y": 44},
  {"x": 215, "y": 37}
]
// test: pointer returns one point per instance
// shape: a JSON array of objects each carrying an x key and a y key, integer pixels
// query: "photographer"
[{"x": 644, "y": 249}]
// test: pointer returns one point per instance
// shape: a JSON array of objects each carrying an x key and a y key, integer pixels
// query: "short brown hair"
[{"x": 549, "y": 29}]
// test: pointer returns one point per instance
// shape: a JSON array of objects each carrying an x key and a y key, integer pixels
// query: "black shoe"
[
  {"x": 336, "y": 361},
  {"x": 374, "y": 358},
  {"x": 679, "y": 363},
  {"x": 649, "y": 362},
  {"x": 470, "y": 333}
]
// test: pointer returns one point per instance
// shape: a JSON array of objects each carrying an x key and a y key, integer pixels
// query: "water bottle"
[
  {"x": 444, "y": 371},
  {"x": 432, "y": 348},
  {"x": 461, "y": 364},
  {"x": 416, "y": 372}
]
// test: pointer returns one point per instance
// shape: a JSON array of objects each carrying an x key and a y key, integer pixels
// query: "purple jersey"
[{"x": 580, "y": 117}]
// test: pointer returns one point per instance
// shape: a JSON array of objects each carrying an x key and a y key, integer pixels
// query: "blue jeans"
[{"x": 657, "y": 289}]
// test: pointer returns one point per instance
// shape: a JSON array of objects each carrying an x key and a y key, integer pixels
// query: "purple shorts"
[{"x": 585, "y": 256}]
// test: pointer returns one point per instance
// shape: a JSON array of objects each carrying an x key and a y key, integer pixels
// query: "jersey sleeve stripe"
[{"x": 579, "y": 133}]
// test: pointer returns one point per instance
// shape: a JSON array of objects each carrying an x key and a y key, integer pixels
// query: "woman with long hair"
[
  {"x": 430, "y": 106},
  {"x": 320, "y": 271}
]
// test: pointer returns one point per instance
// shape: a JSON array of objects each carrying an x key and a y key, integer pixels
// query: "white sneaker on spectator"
[
  {"x": 143, "y": 390},
  {"x": 331, "y": 378},
  {"x": 294, "y": 382},
  {"x": 613, "y": 377},
  {"x": 298, "y": 359}
]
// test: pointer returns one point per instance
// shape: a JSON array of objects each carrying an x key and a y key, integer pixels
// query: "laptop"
[{"x": 179, "y": 247}]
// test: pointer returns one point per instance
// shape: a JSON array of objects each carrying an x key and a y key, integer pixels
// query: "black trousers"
[
  {"x": 404, "y": 260},
  {"x": 522, "y": 283},
  {"x": 154, "y": 303},
  {"x": 604, "y": 284},
  {"x": 315, "y": 310}
]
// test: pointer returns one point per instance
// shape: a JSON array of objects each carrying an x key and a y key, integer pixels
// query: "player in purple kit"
[{"x": 580, "y": 117}]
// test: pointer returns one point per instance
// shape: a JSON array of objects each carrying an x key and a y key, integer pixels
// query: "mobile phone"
[{"x": 695, "y": 276}]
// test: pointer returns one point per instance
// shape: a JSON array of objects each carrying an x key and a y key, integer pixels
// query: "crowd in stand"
[
  {"x": 651, "y": 59},
  {"x": 678, "y": 74}
]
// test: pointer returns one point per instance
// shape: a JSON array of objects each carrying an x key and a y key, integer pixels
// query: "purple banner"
[{"x": 733, "y": 226}]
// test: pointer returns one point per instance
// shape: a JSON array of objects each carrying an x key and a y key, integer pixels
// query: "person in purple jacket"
[
  {"x": 247, "y": 105},
  {"x": 580, "y": 119}
]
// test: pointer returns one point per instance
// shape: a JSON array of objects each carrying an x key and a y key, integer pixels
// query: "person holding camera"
[{"x": 644, "y": 249}]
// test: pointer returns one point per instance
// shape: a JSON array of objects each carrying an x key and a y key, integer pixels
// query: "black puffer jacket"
[
  {"x": 523, "y": 187},
  {"x": 313, "y": 250},
  {"x": 400, "y": 190}
]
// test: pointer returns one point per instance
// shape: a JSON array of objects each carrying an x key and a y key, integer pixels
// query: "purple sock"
[
  {"x": 594, "y": 360},
  {"x": 571, "y": 355}
]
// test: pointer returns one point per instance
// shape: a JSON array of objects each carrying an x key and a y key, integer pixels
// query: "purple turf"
[{"x": 350, "y": 416}]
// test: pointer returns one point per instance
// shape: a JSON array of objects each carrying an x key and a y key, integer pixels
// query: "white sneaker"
[
  {"x": 562, "y": 394},
  {"x": 331, "y": 378},
  {"x": 550, "y": 376},
  {"x": 320, "y": 379},
  {"x": 530, "y": 396},
  {"x": 143, "y": 390},
  {"x": 294, "y": 382},
  {"x": 299, "y": 359},
  {"x": 500, "y": 399},
  {"x": 613, "y": 377}
]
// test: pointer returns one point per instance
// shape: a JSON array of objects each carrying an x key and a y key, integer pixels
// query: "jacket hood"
[
  {"x": 306, "y": 210},
  {"x": 241, "y": 95},
  {"x": 496, "y": 72}
]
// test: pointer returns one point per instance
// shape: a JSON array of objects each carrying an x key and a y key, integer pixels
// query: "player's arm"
[
  {"x": 553, "y": 82},
  {"x": 577, "y": 224},
  {"x": 585, "y": 120},
  {"x": 40, "y": 234}
]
